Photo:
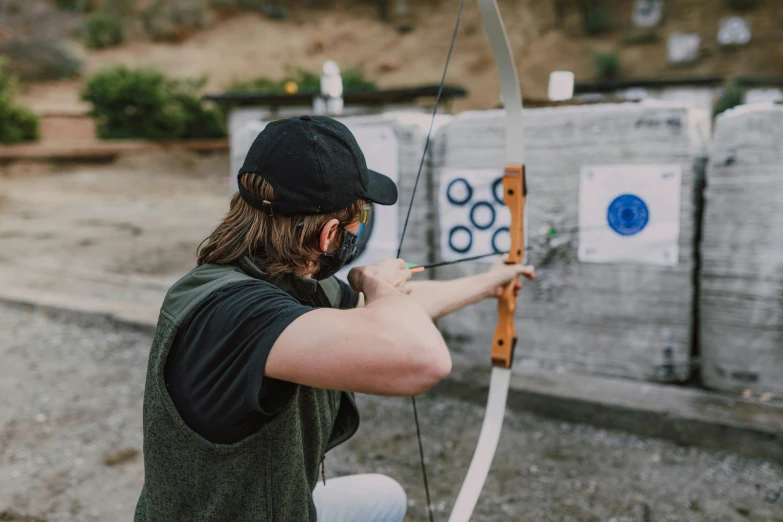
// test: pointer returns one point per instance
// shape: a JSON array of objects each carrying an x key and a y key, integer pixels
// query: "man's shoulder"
[{"x": 250, "y": 292}]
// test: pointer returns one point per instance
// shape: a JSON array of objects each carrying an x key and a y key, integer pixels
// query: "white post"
[
  {"x": 561, "y": 85},
  {"x": 331, "y": 99}
]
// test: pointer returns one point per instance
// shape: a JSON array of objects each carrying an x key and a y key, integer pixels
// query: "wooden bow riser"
[{"x": 505, "y": 338}]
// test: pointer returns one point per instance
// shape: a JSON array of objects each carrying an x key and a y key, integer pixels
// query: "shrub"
[
  {"x": 144, "y": 104},
  {"x": 731, "y": 96},
  {"x": 17, "y": 123},
  {"x": 607, "y": 65},
  {"x": 741, "y": 5},
  {"x": 640, "y": 35},
  {"x": 75, "y": 5},
  {"x": 596, "y": 20},
  {"x": 354, "y": 79},
  {"x": 174, "y": 20},
  {"x": 101, "y": 30},
  {"x": 37, "y": 60}
]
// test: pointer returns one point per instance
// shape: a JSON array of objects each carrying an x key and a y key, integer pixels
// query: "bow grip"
[{"x": 505, "y": 338}]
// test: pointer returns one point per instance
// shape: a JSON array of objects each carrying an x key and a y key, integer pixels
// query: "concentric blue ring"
[
  {"x": 460, "y": 229},
  {"x": 628, "y": 215},
  {"x": 454, "y": 186}
]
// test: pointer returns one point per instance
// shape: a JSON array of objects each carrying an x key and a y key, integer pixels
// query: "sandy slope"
[{"x": 247, "y": 46}]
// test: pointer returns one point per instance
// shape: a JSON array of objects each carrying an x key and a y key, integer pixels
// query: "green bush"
[
  {"x": 144, "y": 104},
  {"x": 76, "y": 5},
  {"x": 741, "y": 5},
  {"x": 731, "y": 96},
  {"x": 596, "y": 20},
  {"x": 607, "y": 65},
  {"x": 17, "y": 123},
  {"x": 36, "y": 60},
  {"x": 353, "y": 80},
  {"x": 101, "y": 30}
]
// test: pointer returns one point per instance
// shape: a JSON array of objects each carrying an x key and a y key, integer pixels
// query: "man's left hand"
[{"x": 500, "y": 274}]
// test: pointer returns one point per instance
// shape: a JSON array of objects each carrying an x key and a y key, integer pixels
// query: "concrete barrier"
[
  {"x": 741, "y": 305},
  {"x": 625, "y": 320}
]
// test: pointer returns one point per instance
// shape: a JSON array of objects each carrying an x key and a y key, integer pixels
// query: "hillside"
[{"x": 249, "y": 45}]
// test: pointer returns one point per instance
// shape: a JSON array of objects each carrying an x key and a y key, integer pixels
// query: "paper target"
[
  {"x": 630, "y": 214},
  {"x": 473, "y": 218},
  {"x": 379, "y": 239}
]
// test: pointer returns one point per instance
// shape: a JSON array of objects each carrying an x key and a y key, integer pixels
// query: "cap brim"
[{"x": 380, "y": 189}]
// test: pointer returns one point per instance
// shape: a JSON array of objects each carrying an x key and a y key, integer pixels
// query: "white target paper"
[
  {"x": 629, "y": 214},
  {"x": 381, "y": 147},
  {"x": 473, "y": 218}
]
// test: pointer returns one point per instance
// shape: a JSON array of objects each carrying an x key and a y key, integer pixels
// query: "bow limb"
[{"x": 505, "y": 337}]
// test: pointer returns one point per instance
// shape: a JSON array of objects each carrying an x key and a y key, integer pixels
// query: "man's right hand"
[{"x": 380, "y": 278}]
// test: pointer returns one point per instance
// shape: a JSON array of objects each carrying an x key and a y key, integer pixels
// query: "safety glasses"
[{"x": 364, "y": 217}]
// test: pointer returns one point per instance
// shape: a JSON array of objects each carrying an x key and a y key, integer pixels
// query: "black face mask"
[{"x": 332, "y": 262}]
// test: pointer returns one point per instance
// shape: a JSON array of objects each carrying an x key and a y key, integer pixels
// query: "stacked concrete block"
[
  {"x": 625, "y": 320},
  {"x": 741, "y": 304},
  {"x": 410, "y": 128}
]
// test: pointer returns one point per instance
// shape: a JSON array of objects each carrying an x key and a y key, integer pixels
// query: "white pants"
[{"x": 360, "y": 498}]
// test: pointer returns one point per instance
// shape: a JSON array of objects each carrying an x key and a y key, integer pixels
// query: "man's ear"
[{"x": 329, "y": 235}]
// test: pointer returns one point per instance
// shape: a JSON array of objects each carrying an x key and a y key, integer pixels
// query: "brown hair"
[{"x": 277, "y": 244}]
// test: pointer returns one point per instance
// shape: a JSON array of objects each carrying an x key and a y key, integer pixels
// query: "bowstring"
[
  {"x": 432, "y": 123},
  {"x": 405, "y": 228}
]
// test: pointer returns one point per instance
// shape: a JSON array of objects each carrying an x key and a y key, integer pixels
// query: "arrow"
[{"x": 414, "y": 267}]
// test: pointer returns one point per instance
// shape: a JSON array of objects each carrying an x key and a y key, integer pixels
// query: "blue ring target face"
[
  {"x": 501, "y": 240},
  {"x": 628, "y": 215},
  {"x": 473, "y": 217},
  {"x": 459, "y": 192},
  {"x": 460, "y": 239},
  {"x": 482, "y": 215},
  {"x": 497, "y": 191}
]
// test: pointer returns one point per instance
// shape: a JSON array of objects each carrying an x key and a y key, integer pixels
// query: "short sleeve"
[{"x": 216, "y": 375}]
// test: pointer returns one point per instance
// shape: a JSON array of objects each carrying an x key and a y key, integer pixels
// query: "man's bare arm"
[
  {"x": 388, "y": 347},
  {"x": 440, "y": 298}
]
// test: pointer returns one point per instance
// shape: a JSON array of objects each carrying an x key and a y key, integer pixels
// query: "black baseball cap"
[{"x": 314, "y": 166}]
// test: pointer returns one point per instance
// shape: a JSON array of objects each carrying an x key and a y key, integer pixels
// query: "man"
[{"x": 259, "y": 349}]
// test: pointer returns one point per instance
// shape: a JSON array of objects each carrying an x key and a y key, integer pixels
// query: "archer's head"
[{"x": 304, "y": 191}]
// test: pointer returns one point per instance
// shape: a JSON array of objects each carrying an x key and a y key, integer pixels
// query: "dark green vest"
[{"x": 270, "y": 475}]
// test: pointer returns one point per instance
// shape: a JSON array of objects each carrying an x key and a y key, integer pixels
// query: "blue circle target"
[
  {"x": 501, "y": 240},
  {"x": 497, "y": 191},
  {"x": 459, "y": 192},
  {"x": 482, "y": 215},
  {"x": 460, "y": 239},
  {"x": 628, "y": 215}
]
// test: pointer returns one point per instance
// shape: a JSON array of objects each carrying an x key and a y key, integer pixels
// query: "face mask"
[{"x": 332, "y": 262}]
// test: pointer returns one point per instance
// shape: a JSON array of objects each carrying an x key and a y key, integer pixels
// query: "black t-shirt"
[{"x": 215, "y": 370}]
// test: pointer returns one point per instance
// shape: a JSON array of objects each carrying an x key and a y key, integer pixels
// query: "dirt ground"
[
  {"x": 71, "y": 385},
  {"x": 144, "y": 214},
  {"x": 70, "y": 445}
]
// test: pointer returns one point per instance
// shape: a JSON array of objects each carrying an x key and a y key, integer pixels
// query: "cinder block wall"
[
  {"x": 625, "y": 320},
  {"x": 741, "y": 305}
]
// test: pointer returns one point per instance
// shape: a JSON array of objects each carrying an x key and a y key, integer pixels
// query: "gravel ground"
[{"x": 70, "y": 445}]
